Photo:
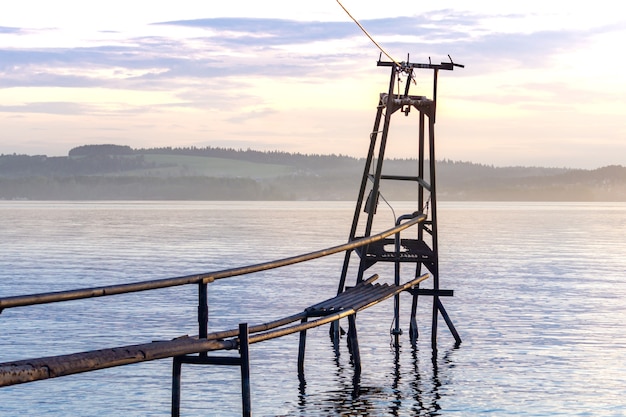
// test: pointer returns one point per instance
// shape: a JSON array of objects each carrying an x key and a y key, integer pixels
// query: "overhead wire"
[
  {"x": 368, "y": 35},
  {"x": 400, "y": 66},
  {"x": 382, "y": 50}
]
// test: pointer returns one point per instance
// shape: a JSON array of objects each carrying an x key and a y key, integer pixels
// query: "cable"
[
  {"x": 368, "y": 35},
  {"x": 393, "y": 212},
  {"x": 427, "y": 205}
]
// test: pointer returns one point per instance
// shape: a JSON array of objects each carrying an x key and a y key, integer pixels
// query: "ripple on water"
[{"x": 539, "y": 292}]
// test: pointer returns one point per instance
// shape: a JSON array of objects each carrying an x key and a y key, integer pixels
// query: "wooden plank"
[
  {"x": 346, "y": 299},
  {"x": 331, "y": 302}
]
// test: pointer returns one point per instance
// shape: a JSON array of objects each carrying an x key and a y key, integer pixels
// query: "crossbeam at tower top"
[
  {"x": 406, "y": 65},
  {"x": 405, "y": 101}
]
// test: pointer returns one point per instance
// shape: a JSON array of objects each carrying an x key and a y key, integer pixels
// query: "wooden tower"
[{"x": 420, "y": 250}]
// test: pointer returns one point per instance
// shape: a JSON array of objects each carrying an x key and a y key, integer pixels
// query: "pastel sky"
[{"x": 543, "y": 83}]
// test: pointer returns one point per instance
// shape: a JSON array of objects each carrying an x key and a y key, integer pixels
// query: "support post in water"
[
  {"x": 203, "y": 311},
  {"x": 176, "y": 374},
  {"x": 245, "y": 370}
]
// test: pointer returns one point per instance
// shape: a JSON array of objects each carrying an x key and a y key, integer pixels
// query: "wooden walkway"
[
  {"x": 346, "y": 304},
  {"x": 195, "y": 350}
]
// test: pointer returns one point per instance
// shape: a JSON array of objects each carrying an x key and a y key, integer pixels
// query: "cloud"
[
  {"x": 228, "y": 42},
  {"x": 438, "y": 32},
  {"x": 11, "y": 30},
  {"x": 526, "y": 48},
  {"x": 48, "y": 108},
  {"x": 243, "y": 117},
  {"x": 246, "y": 48},
  {"x": 437, "y": 25},
  {"x": 254, "y": 31}
]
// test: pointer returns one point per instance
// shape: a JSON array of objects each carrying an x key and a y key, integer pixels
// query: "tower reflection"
[{"x": 412, "y": 386}]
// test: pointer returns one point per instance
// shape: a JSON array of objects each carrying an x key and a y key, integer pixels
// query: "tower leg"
[
  {"x": 433, "y": 335},
  {"x": 353, "y": 344},
  {"x": 413, "y": 330},
  {"x": 301, "y": 349},
  {"x": 335, "y": 335},
  {"x": 448, "y": 321},
  {"x": 397, "y": 331}
]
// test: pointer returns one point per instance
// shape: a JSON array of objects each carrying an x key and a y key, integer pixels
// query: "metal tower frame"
[{"x": 421, "y": 249}]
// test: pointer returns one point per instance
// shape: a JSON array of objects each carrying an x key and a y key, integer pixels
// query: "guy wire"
[{"x": 368, "y": 35}]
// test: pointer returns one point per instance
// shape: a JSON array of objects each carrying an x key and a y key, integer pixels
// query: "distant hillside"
[{"x": 114, "y": 172}]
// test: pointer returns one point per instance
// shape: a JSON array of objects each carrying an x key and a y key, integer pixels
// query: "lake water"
[{"x": 540, "y": 302}]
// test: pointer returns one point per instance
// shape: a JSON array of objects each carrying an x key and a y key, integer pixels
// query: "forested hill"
[{"x": 114, "y": 172}]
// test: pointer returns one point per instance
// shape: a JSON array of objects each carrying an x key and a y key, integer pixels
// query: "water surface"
[{"x": 539, "y": 303}]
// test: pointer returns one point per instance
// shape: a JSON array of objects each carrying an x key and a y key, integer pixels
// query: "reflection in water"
[
  {"x": 415, "y": 388},
  {"x": 425, "y": 394},
  {"x": 347, "y": 400}
]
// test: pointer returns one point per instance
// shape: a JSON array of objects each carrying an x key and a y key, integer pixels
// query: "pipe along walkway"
[
  {"x": 195, "y": 350},
  {"x": 347, "y": 304}
]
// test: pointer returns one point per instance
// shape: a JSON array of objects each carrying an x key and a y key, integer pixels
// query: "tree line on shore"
[{"x": 114, "y": 172}]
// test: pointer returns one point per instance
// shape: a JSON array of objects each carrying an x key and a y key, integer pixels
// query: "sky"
[{"x": 543, "y": 83}]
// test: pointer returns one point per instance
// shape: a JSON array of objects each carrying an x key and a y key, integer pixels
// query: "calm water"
[{"x": 540, "y": 302}]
